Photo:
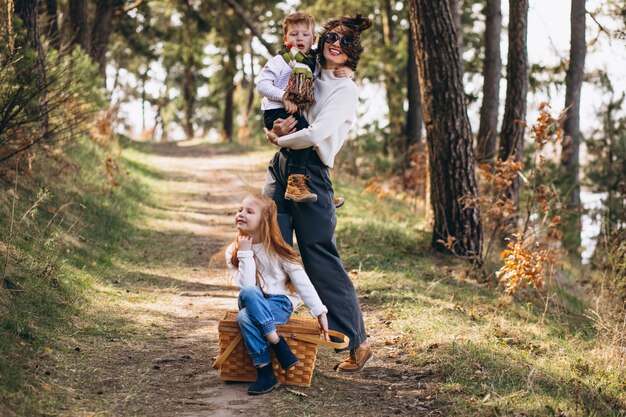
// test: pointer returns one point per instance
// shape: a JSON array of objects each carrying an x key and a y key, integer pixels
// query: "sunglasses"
[{"x": 344, "y": 41}]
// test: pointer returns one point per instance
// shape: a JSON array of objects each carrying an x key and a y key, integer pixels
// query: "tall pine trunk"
[
  {"x": 457, "y": 14},
  {"x": 394, "y": 144},
  {"x": 570, "y": 158},
  {"x": 248, "y": 80},
  {"x": 189, "y": 98},
  {"x": 457, "y": 226},
  {"x": 513, "y": 123},
  {"x": 79, "y": 22},
  {"x": 51, "y": 28},
  {"x": 100, "y": 34},
  {"x": 492, "y": 66},
  {"x": 28, "y": 11},
  {"x": 230, "y": 69},
  {"x": 414, "y": 114}
]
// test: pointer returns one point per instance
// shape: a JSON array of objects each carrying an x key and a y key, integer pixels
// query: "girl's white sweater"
[
  {"x": 274, "y": 273},
  {"x": 330, "y": 118}
]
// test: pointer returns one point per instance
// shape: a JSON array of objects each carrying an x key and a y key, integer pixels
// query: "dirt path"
[
  {"x": 171, "y": 290},
  {"x": 204, "y": 184},
  {"x": 151, "y": 349}
]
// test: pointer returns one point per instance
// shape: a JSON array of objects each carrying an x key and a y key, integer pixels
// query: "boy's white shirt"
[
  {"x": 274, "y": 273},
  {"x": 272, "y": 82},
  {"x": 330, "y": 118}
]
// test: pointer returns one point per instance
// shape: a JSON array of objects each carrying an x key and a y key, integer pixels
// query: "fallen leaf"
[{"x": 298, "y": 393}]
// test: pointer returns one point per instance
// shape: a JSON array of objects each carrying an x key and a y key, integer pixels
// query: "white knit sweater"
[
  {"x": 274, "y": 273},
  {"x": 330, "y": 118}
]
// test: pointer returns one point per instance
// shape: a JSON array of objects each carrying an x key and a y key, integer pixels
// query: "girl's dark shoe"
[
  {"x": 265, "y": 381},
  {"x": 283, "y": 353}
]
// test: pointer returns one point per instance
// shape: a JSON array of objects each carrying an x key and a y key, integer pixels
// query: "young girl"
[{"x": 272, "y": 283}]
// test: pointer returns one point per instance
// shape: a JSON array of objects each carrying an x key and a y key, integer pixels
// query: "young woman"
[
  {"x": 272, "y": 283},
  {"x": 330, "y": 119}
]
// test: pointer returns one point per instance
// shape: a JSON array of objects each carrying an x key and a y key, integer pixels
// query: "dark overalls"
[{"x": 314, "y": 224}]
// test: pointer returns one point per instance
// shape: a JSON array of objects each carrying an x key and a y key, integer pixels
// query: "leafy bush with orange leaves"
[
  {"x": 523, "y": 266},
  {"x": 532, "y": 231}
]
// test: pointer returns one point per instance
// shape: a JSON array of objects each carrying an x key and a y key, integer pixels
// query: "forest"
[{"x": 484, "y": 227}]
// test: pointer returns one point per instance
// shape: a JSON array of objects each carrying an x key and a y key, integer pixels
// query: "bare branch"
[
  {"x": 250, "y": 24},
  {"x": 602, "y": 28},
  {"x": 128, "y": 8}
]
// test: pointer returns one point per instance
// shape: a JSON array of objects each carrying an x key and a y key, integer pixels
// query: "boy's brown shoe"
[
  {"x": 356, "y": 360},
  {"x": 338, "y": 202},
  {"x": 297, "y": 191}
]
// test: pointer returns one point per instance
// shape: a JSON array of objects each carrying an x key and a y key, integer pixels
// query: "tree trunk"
[
  {"x": 51, "y": 28},
  {"x": 244, "y": 130},
  {"x": 394, "y": 145},
  {"x": 513, "y": 123},
  {"x": 454, "y": 193},
  {"x": 28, "y": 11},
  {"x": 455, "y": 10},
  {"x": 189, "y": 99},
  {"x": 571, "y": 128},
  {"x": 488, "y": 130},
  {"x": 252, "y": 77},
  {"x": 79, "y": 22},
  {"x": 100, "y": 34},
  {"x": 413, "y": 146},
  {"x": 414, "y": 115},
  {"x": 229, "y": 108},
  {"x": 389, "y": 32}
]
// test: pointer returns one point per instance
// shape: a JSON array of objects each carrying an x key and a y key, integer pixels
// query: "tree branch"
[
  {"x": 128, "y": 8},
  {"x": 602, "y": 28},
  {"x": 250, "y": 24}
]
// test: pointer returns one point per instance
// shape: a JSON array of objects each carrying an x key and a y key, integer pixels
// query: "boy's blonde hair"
[{"x": 298, "y": 17}]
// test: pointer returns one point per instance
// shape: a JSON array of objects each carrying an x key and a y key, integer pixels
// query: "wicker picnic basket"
[{"x": 302, "y": 336}]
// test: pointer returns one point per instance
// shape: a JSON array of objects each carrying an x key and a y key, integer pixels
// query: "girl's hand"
[
  {"x": 324, "y": 325},
  {"x": 245, "y": 242},
  {"x": 343, "y": 72},
  {"x": 282, "y": 127}
]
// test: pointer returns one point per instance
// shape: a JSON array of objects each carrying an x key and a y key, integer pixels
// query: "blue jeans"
[{"x": 258, "y": 316}]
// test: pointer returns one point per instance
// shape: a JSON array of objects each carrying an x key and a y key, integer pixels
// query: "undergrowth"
[
  {"x": 490, "y": 353},
  {"x": 60, "y": 228}
]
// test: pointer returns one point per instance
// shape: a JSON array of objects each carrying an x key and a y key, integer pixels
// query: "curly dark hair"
[{"x": 351, "y": 28}]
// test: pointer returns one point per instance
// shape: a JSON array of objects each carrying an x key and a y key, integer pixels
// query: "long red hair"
[{"x": 270, "y": 237}]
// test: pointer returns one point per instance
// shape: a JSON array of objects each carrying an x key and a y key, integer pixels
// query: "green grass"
[
  {"x": 60, "y": 251},
  {"x": 482, "y": 353},
  {"x": 490, "y": 354}
]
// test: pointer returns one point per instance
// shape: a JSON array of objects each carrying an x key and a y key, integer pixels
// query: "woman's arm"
[
  {"x": 305, "y": 289},
  {"x": 245, "y": 274},
  {"x": 340, "y": 108}
]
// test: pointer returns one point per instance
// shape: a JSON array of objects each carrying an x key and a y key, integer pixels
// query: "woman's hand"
[
  {"x": 283, "y": 127},
  {"x": 271, "y": 136},
  {"x": 323, "y": 320},
  {"x": 245, "y": 242},
  {"x": 343, "y": 72}
]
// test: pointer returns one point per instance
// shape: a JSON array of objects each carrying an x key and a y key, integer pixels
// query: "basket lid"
[
  {"x": 295, "y": 324},
  {"x": 300, "y": 325}
]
